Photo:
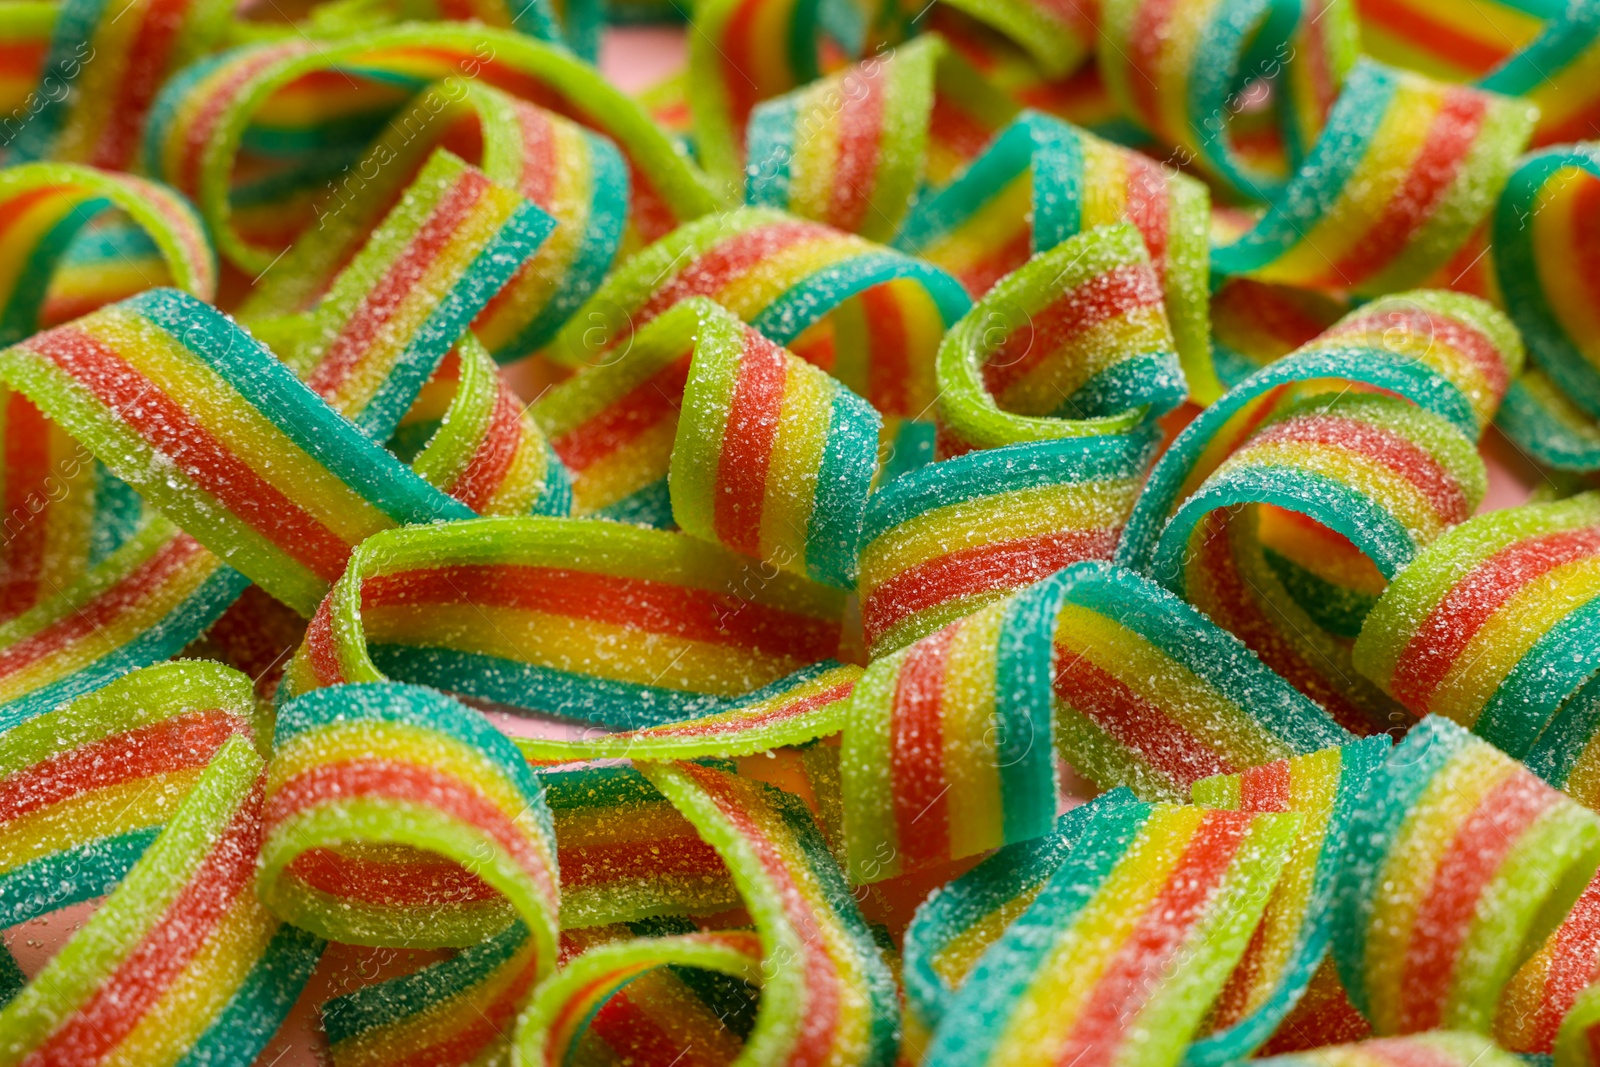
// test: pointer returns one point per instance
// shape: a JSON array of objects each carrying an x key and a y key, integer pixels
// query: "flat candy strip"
[
  {"x": 1490, "y": 625},
  {"x": 1076, "y": 342},
  {"x": 1460, "y": 862},
  {"x": 945, "y": 753},
  {"x": 396, "y": 816},
  {"x": 1042, "y": 181},
  {"x": 213, "y": 429},
  {"x": 1401, "y": 175},
  {"x": 1120, "y": 954},
  {"x": 942, "y": 541},
  {"x": 151, "y": 785},
  {"x": 1292, "y": 940},
  {"x": 595, "y": 621}
]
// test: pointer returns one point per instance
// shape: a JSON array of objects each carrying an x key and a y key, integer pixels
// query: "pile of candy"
[{"x": 677, "y": 564}]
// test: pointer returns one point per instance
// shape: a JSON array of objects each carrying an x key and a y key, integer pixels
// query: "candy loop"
[
  {"x": 1042, "y": 181},
  {"x": 1542, "y": 234},
  {"x": 262, "y": 471},
  {"x": 1128, "y": 943},
  {"x": 151, "y": 785},
  {"x": 854, "y": 148},
  {"x": 1489, "y": 626},
  {"x": 1187, "y": 75},
  {"x": 1292, "y": 940},
  {"x": 46, "y": 207},
  {"x": 1461, "y": 861},
  {"x": 600, "y": 622},
  {"x": 550, "y": 1026},
  {"x": 395, "y": 816},
  {"x": 955, "y": 927},
  {"x": 1401, "y": 176},
  {"x": 827, "y": 994},
  {"x": 951, "y": 743},
  {"x": 573, "y": 174},
  {"x": 200, "y": 122},
  {"x": 1073, "y": 343},
  {"x": 944, "y": 540}
]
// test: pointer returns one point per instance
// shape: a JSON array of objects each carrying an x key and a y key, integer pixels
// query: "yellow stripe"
[{"x": 970, "y": 734}]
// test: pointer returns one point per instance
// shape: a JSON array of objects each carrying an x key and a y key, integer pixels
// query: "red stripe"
[
  {"x": 369, "y": 321},
  {"x": 1267, "y": 788},
  {"x": 747, "y": 441},
  {"x": 635, "y": 603},
  {"x": 142, "y": 583},
  {"x": 539, "y": 163},
  {"x": 20, "y": 205},
  {"x": 956, "y": 130},
  {"x": 182, "y": 742},
  {"x": 890, "y": 373},
  {"x": 1135, "y": 722},
  {"x": 1472, "y": 601},
  {"x": 1113, "y": 294},
  {"x": 1235, "y": 609},
  {"x": 1450, "y": 138},
  {"x": 420, "y": 883},
  {"x": 1149, "y": 209},
  {"x": 27, "y": 503},
  {"x": 1471, "y": 861},
  {"x": 782, "y": 712},
  {"x": 1574, "y": 965},
  {"x": 1477, "y": 349},
  {"x": 821, "y": 1009},
  {"x": 601, "y": 865},
  {"x": 633, "y": 1037},
  {"x": 651, "y": 401},
  {"x": 855, "y": 164},
  {"x": 322, "y": 647},
  {"x": 980, "y": 569},
  {"x": 166, "y": 424},
  {"x": 119, "y": 1003},
  {"x": 1434, "y": 36},
  {"x": 916, "y": 752},
  {"x": 739, "y": 79},
  {"x": 502, "y": 441},
  {"x": 380, "y": 778},
  {"x": 1584, "y": 242},
  {"x": 1398, "y": 453},
  {"x": 1146, "y": 38},
  {"x": 149, "y": 56},
  {"x": 725, "y": 262},
  {"x": 1143, "y": 964}
]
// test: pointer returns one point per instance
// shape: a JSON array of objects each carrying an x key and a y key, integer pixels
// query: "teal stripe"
[
  {"x": 71, "y": 875},
  {"x": 1057, "y": 181},
  {"x": 1569, "y": 733},
  {"x": 1024, "y": 754},
  {"x": 1544, "y": 678},
  {"x": 770, "y": 140},
  {"x": 267, "y": 385},
  {"x": 258, "y": 1007},
  {"x": 849, "y": 460},
  {"x": 809, "y": 301}
]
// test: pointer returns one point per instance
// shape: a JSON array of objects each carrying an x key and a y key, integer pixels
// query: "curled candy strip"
[
  {"x": 1489, "y": 626},
  {"x": 1182, "y": 71},
  {"x": 151, "y": 785},
  {"x": 1461, "y": 861},
  {"x": 1401, "y": 176},
  {"x": 259, "y": 469},
  {"x": 1074, "y": 343},
  {"x": 1042, "y": 181},
  {"x": 854, "y": 148},
  {"x": 1546, "y": 989},
  {"x": 944, "y": 540},
  {"x": 955, "y": 927},
  {"x": 773, "y": 458},
  {"x": 1325, "y": 788},
  {"x": 870, "y": 316},
  {"x": 205, "y": 116},
  {"x": 951, "y": 744},
  {"x": 1445, "y": 1048},
  {"x": 396, "y": 816},
  {"x": 46, "y": 207},
  {"x": 567, "y": 1007},
  {"x": 617, "y": 625},
  {"x": 574, "y": 174},
  {"x": 1126, "y": 945}
]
